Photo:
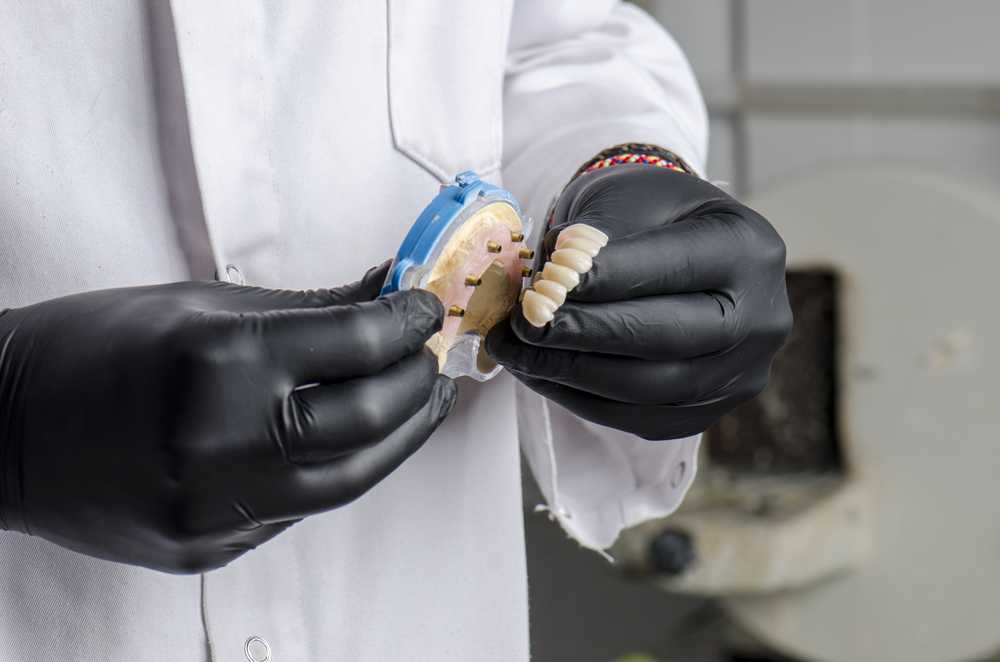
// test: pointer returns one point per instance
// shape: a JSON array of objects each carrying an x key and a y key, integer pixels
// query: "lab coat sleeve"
[{"x": 582, "y": 76}]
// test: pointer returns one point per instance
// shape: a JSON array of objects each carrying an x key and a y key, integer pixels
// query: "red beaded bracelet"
[
  {"x": 634, "y": 158},
  {"x": 627, "y": 153}
]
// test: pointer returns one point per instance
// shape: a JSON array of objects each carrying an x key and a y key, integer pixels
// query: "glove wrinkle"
[
  {"x": 653, "y": 328},
  {"x": 12, "y": 377},
  {"x": 331, "y": 420}
]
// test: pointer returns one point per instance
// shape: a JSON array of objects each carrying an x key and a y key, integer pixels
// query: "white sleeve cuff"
[{"x": 598, "y": 480}]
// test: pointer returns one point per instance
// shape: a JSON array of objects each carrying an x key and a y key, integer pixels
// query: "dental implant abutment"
[
  {"x": 473, "y": 281},
  {"x": 456, "y": 311}
]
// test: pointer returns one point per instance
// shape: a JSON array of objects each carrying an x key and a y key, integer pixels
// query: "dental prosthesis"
[
  {"x": 576, "y": 247},
  {"x": 467, "y": 247}
]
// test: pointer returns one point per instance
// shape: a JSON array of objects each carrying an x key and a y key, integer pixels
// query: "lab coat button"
[
  {"x": 233, "y": 274},
  {"x": 678, "y": 476},
  {"x": 257, "y": 650}
]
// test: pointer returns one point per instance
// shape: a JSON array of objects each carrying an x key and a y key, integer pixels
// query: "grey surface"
[
  {"x": 929, "y": 69},
  {"x": 882, "y": 39},
  {"x": 804, "y": 39},
  {"x": 781, "y": 145}
]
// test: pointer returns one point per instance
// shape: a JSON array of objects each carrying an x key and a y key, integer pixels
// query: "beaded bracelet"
[
  {"x": 634, "y": 158},
  {"x": 627, "y": 153},
  {"x": 634, "y": 153}
]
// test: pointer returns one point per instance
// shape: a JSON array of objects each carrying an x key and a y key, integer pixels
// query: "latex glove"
[
  {"x": 172, "y": 427},
  {"x": 677, "y": 321}
]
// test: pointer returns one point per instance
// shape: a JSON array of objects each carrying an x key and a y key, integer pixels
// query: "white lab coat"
[{"x": 318, "y": 131}]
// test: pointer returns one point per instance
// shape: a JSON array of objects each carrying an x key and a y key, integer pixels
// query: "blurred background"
[{"x": 849, "y": 514}]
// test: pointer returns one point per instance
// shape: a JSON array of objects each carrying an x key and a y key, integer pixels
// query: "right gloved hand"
[{"x": 174, "y": 426}]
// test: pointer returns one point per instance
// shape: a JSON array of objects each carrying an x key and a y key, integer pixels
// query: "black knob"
[{"x": 671, "y": 552}]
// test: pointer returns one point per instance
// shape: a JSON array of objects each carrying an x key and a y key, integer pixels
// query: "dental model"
[
  {"x": 467, "y": 247},
  {"x": 576, "y": 248}
]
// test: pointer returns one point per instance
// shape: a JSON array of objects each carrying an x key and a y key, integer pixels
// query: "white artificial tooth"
[
  {"x": 545, "y": 302},
  {"x": 565, "y": 276},
  {"x": 553, "y": 290},
  {"x": 576, "y": 260},
  {"x": 538, "y": 308},
  {"x": 582, "y": 231},
  {"x": 544, "y": 317},
  {"x": 591, "y": 248}
]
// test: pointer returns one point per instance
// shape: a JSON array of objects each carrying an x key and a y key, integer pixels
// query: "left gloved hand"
[{"x": 678, "y": 320}]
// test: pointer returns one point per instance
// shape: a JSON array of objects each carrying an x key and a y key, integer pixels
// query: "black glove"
[
  {"x": 678, "y": 320},
  {"x": 174, "y": 426}
]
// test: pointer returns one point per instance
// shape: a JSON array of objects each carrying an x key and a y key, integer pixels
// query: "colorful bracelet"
[
  {"x": 627, "y": 153},
  {"x": 635, "y": 153},
  {"x": 634, "y": 158}
]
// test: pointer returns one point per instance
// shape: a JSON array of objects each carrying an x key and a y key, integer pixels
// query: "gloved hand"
[
  {"x": 174, "y": 426},
  {"x": 678, "y": 320}
]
